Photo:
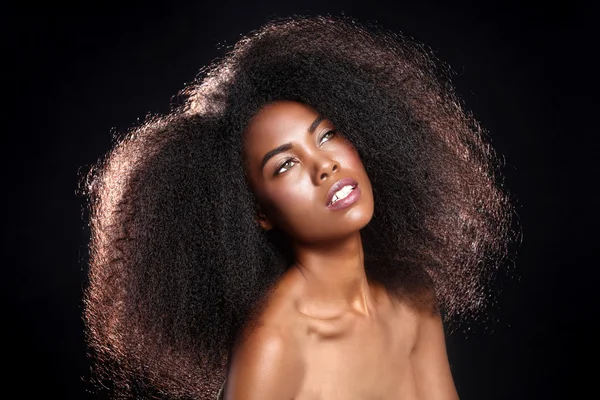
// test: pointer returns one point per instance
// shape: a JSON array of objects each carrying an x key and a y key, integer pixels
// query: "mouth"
[{"x": 343, "y": 193}]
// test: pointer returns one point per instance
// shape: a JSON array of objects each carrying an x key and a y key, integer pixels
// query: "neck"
[{"x": 334, "y": 278}]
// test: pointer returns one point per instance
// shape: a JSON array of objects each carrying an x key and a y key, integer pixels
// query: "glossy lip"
[
  {"x": 337, "y": 186},
  {"x": 347, "y": 201}
]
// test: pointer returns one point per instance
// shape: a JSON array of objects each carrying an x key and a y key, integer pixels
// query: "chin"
[
  {"x": 354, "y": 220},
  {"x": 359, "y": 218}
]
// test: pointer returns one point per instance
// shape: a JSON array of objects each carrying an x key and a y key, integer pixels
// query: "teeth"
[{"x": 342, "y": 193}]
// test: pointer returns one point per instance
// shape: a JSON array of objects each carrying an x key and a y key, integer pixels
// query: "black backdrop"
[{"x": 77, "y": 73}]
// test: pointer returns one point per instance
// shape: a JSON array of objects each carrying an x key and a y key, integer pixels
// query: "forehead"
[
  {"x": 281, "y": 116},
  {"x": 275, "y": 124}
]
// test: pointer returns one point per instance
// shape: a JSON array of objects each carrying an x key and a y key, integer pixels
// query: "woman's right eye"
[{"x": 285, "y": 166}]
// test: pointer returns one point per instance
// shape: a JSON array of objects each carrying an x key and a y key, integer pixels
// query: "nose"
[{"x": 324, "y": 168}]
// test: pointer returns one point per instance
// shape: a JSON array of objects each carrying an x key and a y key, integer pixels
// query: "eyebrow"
[
  {"x": 287, "y": 146},
  {"x": 315, "y": 123}
]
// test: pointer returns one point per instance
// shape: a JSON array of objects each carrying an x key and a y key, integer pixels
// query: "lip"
[{"x": 337, "y": 186}]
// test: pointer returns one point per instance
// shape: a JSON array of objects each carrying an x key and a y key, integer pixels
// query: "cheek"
[
  {"x": 350, "y": 159},
  {"x": 286, "y": 201}
]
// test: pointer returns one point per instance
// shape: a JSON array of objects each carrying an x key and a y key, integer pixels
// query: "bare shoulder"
[
  {"x": 406, "y": 312},
  {"x": 266, "y": 365},
  {"x": 417, "y": 307},
  {"x": 418, "y": 322},
  {"x": 428, "y": 354}
]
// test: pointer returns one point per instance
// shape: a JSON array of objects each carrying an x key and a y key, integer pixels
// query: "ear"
[{"x": 263, "y": 221}]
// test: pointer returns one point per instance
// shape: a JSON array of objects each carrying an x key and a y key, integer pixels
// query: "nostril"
[
  {"x": 335, "y": 167},
  {"x": 323, "y": 176}
]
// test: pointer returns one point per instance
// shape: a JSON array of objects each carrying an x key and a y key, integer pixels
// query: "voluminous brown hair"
[{"x": 177, "y": 262}]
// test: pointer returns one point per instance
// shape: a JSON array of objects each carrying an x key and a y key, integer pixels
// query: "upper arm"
[
  {"x": 430, "y": 360},
  {"x": 265, "y": 366}
]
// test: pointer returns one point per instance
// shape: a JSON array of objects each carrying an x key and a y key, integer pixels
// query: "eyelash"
[
  {"x": 287, "y": 160},
  {"x": 333, "y": 131}
]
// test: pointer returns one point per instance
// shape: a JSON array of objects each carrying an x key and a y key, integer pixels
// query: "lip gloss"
[{"x": 347, "y": 201}]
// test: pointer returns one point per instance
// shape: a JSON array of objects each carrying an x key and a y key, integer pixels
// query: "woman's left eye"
[{"x": 327, "y": 136}]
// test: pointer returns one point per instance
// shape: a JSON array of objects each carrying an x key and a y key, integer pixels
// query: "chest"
[{"x": 358, "y": 360}]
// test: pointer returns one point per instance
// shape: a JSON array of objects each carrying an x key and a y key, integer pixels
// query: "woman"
[{"x": 296, "y": 228}]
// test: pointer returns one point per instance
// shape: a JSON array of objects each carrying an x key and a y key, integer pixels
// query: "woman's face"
[{"x": 309, "y": 180}]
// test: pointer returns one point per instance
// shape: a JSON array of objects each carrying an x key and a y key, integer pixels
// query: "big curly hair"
[{"x": 178, "y": 266}]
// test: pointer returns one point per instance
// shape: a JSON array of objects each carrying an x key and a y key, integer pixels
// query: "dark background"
[{"x": 76, "y": 74}]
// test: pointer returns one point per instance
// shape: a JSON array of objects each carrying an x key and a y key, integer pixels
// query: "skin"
[{"x": 327, "y": 332}]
